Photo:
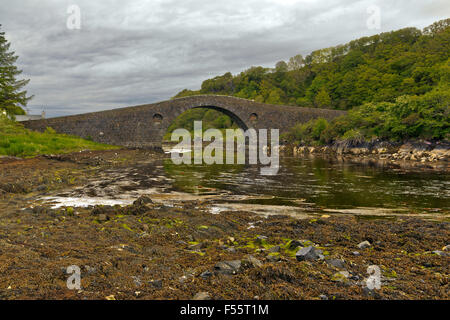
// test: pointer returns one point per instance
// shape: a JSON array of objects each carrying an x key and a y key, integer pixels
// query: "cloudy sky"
[{"x": 136, "y": 51}]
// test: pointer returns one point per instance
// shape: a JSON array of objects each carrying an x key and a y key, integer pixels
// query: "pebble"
[
  {"x": 273, "y": 258},
  {"x": 228, "y": 267},
  {"x": 274, "y": 249},
  {"x": 341, "y": 276},
  {"x": 251, "y": 261},
  {"x": 157, "y": 284},
  {"x": 231, "y": 249},
  {"x": 338, "y": 263},
  {"x": 260, "y": 239},
  {"x": 202, "y": 296},
  {"x": 364, "y": 245},
  {"x": 206, "y": 274},
  {"x": 441, "y": 253}
]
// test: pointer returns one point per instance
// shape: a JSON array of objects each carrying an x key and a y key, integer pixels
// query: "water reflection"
[{"x": 328, "y": 183}]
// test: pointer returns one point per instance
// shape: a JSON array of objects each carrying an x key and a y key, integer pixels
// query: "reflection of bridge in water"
[{"x": 145, "y": 125}]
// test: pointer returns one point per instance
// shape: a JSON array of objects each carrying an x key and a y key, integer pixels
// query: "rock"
[
  {"x": 260, "y": 240},
  {"x": 341, "y": 276},
  {"x": 273, "y": 258},
  {"x": 274, "y": 249},
  {"x": 196, "y": 247},
  {"x": 364, "y": 245},
  {"x": 441, "y": 253},
  {"x": 251, "y": 261},
  {"x": 323, "y": 297},
  {"x": 294, "y": 244},
  {"x": 137, "y": 281},
  {"x": 356, "y": 253},
  {"x": 368, "y": 292},
  {"x": 228, "y": 267},
  {"x": 98, "y": 210},
  {"x": 41, "y": 187},
  {"x": 102, "y": 217},
  {"x": 207, "y": 274},
  {"x": 90, "y": 270},
  {"x": 142, "y": 201},
  {"x": 231, "y": 249},
  {"x": 337, "y": 263},
  {"x": 202, "y": 296},
  {"x": 309, "y": 253},
  {"x": 157, "y": 284}
]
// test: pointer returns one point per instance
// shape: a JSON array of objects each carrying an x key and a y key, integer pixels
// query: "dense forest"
[{"x": 395, "y": 86}]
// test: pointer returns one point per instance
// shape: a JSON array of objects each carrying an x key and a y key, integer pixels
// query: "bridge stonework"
[{"x": 144, "y": 126}]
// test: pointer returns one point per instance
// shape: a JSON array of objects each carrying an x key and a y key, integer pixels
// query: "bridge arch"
[
  {"x": 240, "y": 122},
  {"x": 145, "y": 125}
]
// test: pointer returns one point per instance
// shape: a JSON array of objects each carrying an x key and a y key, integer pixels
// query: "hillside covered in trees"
[{"x": 395, "y": 85}]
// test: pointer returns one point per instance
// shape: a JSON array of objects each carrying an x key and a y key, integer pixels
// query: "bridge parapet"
[{"x": 145, "y": 125}]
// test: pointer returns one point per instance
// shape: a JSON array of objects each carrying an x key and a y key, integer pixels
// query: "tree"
[
  {"x": 281, "y": 66},
  {"x": 323, "y": 99},
  {"x": 296, "y": 63},
  {"x": 12, "y": 98}
]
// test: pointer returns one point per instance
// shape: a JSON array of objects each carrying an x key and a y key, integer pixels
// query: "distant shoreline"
[{"x": 409, "y": 154}]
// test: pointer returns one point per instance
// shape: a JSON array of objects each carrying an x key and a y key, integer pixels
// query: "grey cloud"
[{"x": 135, "y": 52}]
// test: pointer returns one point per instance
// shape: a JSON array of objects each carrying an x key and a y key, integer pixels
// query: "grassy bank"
[{"x": 15, "y": 140}]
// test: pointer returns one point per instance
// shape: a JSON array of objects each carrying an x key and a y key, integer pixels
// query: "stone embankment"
[{"x": 434, "y": 153}]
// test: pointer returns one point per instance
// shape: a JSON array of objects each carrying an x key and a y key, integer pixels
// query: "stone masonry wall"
[{"x": 144, "y": 126}]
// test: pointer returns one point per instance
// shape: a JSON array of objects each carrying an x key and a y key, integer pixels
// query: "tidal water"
[
  {"x": 326, "y": 183},
  {"x": 302, "y": 185}
]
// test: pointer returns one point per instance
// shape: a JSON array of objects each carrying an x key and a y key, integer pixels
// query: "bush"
[{"x": 424, "y": 117}]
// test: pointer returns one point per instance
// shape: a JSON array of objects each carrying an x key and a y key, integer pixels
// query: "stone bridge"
[{"x": 145, "y": 125}]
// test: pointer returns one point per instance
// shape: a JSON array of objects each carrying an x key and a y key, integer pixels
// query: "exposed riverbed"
[{"x": 81, "y": 209}]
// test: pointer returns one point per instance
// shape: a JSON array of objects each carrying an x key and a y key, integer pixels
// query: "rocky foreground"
[{"x": 150, "y": 250}]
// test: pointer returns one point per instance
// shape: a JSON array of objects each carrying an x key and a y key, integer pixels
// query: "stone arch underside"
[{"x": 144, "y": 126}]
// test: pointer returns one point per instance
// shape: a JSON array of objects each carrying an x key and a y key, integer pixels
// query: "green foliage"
[
  {"x": 17, "y": 141},
  {"x": 394, "y": 84},
  {"x": 211, "y": 119},
  {"x": 12, "y": 97},
  {"x": 370, "y": 69},
  {"x": 410, "y": 116}
]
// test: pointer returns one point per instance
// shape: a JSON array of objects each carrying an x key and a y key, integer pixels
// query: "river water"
[
  {"x": 327, "y": 183},
  {"x": 302, "y": 185}
]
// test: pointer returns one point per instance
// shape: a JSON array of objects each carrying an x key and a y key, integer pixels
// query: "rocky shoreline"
[
  {"x": 152, "y": 249},
  {"x": 410, "y": 154}
]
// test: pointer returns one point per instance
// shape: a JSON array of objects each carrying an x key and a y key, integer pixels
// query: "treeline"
[{"x": 380, "y": 78}]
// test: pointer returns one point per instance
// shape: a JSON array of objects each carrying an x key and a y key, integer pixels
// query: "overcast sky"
[{"x": 136, "y": 52}]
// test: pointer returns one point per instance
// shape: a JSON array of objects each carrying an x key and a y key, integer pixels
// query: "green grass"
[{"x": 15, "y": 140}]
